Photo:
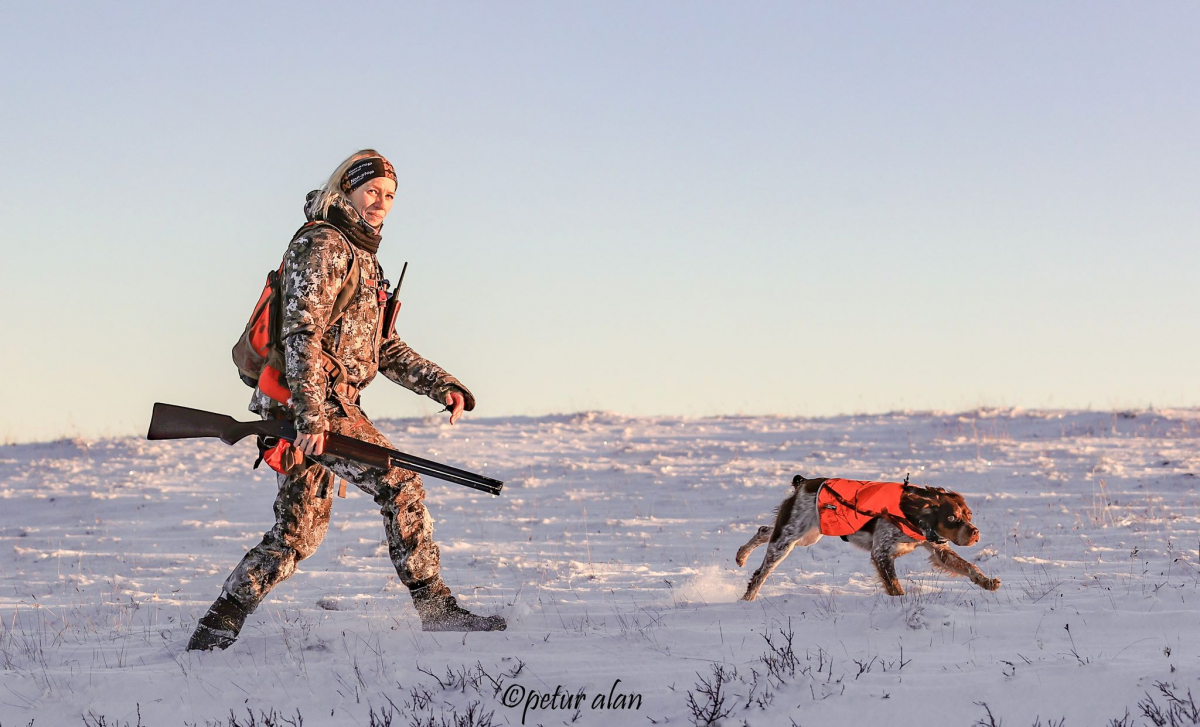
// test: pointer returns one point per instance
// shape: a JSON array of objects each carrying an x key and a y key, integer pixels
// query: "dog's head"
[{"x": 939, "y": 514}]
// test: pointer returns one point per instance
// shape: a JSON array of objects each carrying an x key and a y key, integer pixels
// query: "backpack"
[{"x": 258, "y": 352}]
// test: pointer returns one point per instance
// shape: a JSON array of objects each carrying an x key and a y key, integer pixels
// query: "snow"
[{"x": 610, "y": 551}]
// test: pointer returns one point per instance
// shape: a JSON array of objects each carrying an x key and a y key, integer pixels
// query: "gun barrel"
[
  {"x": 373, "y": 454},
  {"x": 475, "y": 481}
]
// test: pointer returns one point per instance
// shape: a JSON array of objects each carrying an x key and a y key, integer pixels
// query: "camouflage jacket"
[{"x": 314, "y": 268}]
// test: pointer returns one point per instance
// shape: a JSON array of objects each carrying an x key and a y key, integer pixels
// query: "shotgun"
[{"x": 179, "y": 422}]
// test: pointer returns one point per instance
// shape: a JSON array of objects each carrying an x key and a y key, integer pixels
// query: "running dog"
[{"x": 888, "y": 519}]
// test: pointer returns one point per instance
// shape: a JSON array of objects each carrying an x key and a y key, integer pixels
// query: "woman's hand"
[
  {"x": 455, "y": 403},
  {"x": 311, "y": 444}
]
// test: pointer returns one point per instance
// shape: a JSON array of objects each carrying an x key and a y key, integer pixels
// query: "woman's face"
[{"x": 374, "y": 200}]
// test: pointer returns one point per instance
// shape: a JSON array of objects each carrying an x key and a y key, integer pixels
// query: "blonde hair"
[{"x": 332, "y": 189}]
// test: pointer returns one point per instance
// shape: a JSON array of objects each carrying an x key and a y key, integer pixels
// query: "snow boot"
[
  {"x": 219, "y": 628},
  {"x": 440, "y": 612}
]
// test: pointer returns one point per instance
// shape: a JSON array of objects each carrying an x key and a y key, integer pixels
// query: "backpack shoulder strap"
[
  {"x": 349, "y": 287},
  {"x": 353, "y": 276}
]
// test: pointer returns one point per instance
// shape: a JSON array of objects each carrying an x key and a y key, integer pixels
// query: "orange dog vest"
[{"x": 845, "y": 506}]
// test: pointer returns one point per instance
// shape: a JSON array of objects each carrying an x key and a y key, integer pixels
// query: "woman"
[{"x": 352, "y": 205}]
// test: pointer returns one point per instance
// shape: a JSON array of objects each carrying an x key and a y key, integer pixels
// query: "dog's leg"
[
  {"x": 942, "y": 557},
  {"x": 762, "y": 536},
  {"x": 885, "y": 566},
  {"x": 883, "y": 556},
  {"x": 797, "y": 525},
  {"x": 776, "y": 552}
]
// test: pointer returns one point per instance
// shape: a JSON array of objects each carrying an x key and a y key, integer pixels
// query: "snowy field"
[{"x": 611, "y": 554}]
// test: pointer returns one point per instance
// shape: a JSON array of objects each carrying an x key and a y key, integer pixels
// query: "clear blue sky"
[{"x": 645, "y": 207}]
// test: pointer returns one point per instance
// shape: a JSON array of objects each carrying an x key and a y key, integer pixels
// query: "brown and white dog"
[{"x": 889, "y": 519}]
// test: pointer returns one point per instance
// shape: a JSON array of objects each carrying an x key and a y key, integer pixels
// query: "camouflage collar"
[{"x": 350, "y": 222}]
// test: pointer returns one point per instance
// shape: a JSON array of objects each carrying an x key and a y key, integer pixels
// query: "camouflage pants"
[{"x": 302, "y": 511}]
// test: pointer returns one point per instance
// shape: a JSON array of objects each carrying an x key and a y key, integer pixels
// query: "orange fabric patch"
[
  {"x": 274, "y": 384},
  {"x": 845, "y": 506},
  {"x": 283, "y": 457},
  {"x": 260, "y": 334}
]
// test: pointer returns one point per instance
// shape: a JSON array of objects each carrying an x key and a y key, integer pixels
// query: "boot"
[
  {"x": 440, "y": 612},
  {"x": 220, "y": 626}
]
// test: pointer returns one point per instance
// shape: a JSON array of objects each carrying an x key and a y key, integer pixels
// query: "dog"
[{"x": 888, "y": 519}]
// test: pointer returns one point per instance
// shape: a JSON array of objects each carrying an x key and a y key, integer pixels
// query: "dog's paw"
[
  {"x": 742, "y": 556},
  {"x": 991, "y": 584}
]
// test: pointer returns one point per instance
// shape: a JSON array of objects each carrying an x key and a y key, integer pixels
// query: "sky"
[{"x": 686, "y": 208}]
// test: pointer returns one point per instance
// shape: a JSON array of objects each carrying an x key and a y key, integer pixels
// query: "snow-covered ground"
[{"x": 611, "y": 553}]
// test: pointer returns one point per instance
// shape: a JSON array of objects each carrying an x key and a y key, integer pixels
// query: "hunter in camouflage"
[{"x": 317, "y": 350}]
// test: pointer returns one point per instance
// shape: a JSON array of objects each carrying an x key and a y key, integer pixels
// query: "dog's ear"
[{"x": 798, "y": 480}]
